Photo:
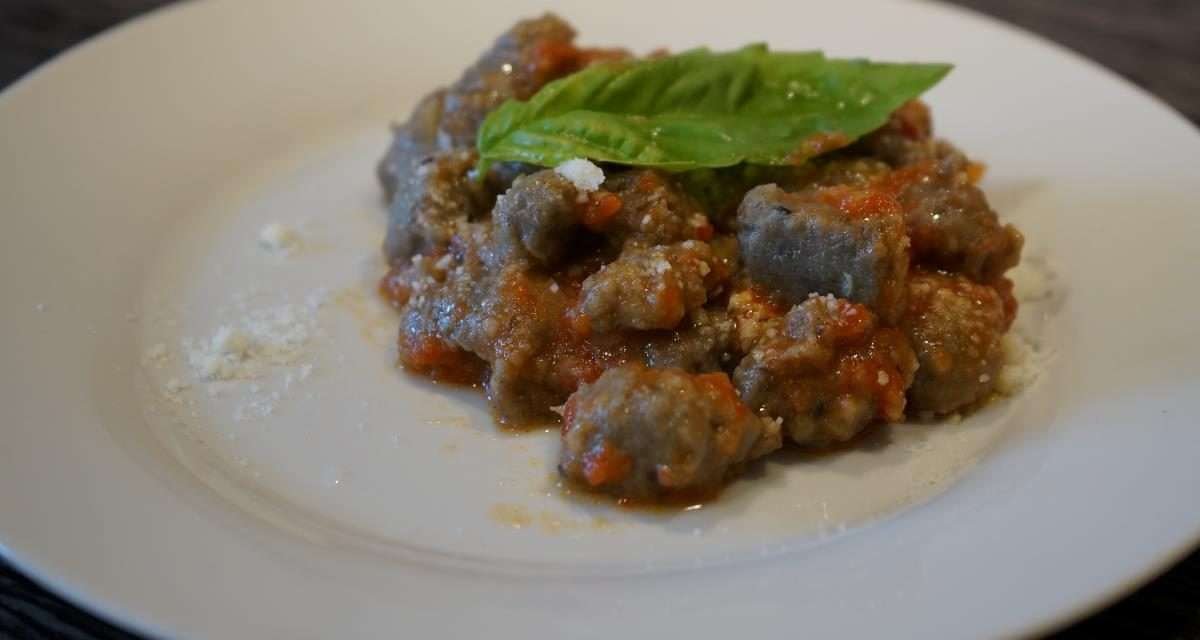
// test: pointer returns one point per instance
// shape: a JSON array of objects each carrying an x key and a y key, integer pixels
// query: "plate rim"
[{"x": 115, "y": 615}]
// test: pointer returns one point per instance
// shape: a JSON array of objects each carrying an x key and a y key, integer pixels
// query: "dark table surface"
[{"x": 1154, "y": 43}]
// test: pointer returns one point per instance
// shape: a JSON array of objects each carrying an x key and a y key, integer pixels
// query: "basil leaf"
[{"x": 703, "y": 109}]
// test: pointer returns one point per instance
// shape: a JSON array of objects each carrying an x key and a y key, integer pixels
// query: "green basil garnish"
[{"x": 703, "y": 109}]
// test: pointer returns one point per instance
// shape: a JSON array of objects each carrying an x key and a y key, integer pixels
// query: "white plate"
[{"x": 138, "y": 169}]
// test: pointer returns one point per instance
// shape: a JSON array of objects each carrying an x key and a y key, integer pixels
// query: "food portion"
[
  {"x": 826, "y": 370},
  {"x": 843, "y": 240},
  {"x": 687, "y": 261},
  {"x": 956, "y": 327},
  {"x": 641, "y": 433}
]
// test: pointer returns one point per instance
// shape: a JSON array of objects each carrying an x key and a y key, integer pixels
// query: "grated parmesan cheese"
[
  {"x": 581, "y": 173},
  {"x": 1021, "y": 367},
  {"x": 278, "y": 238},
  {"x": 1032, "y": 281},
  {"x": 262, "y": 339},
  {"x": 316, "y": 299},
  {"x": 156, "y": 354}
]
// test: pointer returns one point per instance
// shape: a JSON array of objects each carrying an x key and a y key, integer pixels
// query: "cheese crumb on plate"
[
  {"x": 263, "y": 338},
  {"x": 278, "y": 238}
]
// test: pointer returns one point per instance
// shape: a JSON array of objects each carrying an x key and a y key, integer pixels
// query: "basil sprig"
[{"x": 701, "y": 109}]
